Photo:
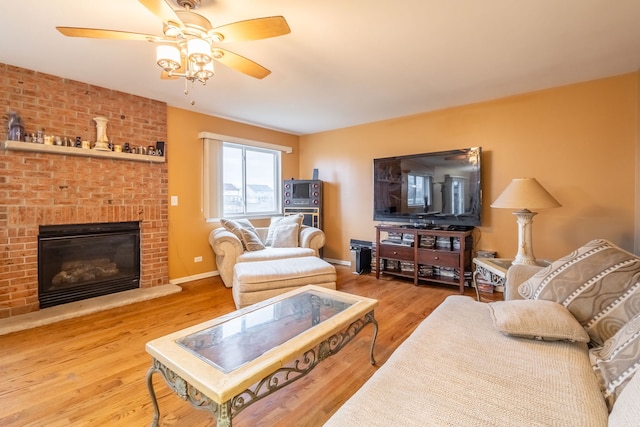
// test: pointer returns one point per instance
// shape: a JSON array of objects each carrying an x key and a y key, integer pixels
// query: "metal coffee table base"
[{"x": 273, "y": 382}]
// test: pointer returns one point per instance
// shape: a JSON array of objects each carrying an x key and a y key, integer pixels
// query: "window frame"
[
  {"x": 212, "y": 204},
  {"x": 277, "y": 181}
]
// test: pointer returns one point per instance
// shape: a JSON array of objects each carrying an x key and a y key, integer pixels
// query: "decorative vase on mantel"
[
  {"x": 16, "y": 128},
  {"x": 102, "y": 142}
]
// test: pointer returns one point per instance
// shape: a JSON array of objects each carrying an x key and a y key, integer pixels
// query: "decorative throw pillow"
[
  {"x": 616, "y": 362},
  {"x": 537, "y": 319},
  {"x": 251, "y": 240},
  {"x": 598, "y": 283},
  {"x": 281, "y": 220},
  {"x": 236, "y": 226},
  {"x": 285, "y": 236}
]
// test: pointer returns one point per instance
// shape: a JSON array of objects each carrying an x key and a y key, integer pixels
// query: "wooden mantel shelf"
[{"x": 73, "y": 151}]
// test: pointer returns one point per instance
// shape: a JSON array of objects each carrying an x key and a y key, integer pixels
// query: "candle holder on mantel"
[{"x": 102, "y": 142}]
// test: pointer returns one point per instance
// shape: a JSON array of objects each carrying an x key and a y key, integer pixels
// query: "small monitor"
[{"x": 301, "y": 190}]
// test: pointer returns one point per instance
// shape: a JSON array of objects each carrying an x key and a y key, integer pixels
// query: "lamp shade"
[
  {"x": 168, "y": 57},
  {"x": 199, "y": 51},
  {"x": 207, "y": 70},
  {"x": 525, "y": 193}
]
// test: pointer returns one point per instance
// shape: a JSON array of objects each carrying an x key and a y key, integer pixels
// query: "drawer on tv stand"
[
  {"x": 441, "y": 258},
  {"x": 396, "y": 252}
]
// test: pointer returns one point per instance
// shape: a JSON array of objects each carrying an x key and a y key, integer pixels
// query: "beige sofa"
[
  {"x": 230, "y": 250},
  {"x": 486, "y": 364}
]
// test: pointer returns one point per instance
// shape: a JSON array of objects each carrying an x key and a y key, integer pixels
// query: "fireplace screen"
[{"x": 82, "y": 261}]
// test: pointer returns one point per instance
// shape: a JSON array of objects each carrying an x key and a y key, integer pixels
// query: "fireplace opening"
[{"x": 80, "y": 261}]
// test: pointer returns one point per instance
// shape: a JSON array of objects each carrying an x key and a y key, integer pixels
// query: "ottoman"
[{"x": 257, "y": 281}]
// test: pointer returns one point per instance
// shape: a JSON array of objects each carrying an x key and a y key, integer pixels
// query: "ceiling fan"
[{"x": 190, "y": 42}]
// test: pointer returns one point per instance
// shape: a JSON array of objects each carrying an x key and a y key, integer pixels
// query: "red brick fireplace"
[{"x": 50, "y": 188}]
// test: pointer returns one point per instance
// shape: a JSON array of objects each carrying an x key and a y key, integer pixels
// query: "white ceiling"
[{"x": 346, "y": 62}]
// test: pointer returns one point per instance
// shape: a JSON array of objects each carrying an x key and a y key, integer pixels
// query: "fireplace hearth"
[{"x": 80, "y": 261}]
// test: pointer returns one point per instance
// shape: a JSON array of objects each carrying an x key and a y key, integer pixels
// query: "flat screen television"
[{"x": 439, "y": 188}]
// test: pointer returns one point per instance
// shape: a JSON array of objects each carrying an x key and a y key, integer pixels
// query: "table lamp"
[{"x": 525, "y": 194}]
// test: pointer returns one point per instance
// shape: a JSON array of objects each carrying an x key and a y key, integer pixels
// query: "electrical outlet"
[
  {"x": 197, "y": 259},
  {"x": 174, "y": 200}
]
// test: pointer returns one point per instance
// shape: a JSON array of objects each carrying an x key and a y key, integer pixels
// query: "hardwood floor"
[{"x": 91, "y": 370}]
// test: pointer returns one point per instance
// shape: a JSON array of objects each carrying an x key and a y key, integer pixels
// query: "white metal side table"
[{"x": 493, "y": 271}]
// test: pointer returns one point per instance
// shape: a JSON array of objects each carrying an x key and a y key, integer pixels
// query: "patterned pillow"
[
  {"x": 281, "y": 220},
  {"x": 285, "y": 236},
  {"x": 598, "y": 283},
  {"x": 616, "y": 362},
  {"x": 537, "y": 319},
  {"x": 251, "y": 240},
  {"x": 236, "y": 226}
]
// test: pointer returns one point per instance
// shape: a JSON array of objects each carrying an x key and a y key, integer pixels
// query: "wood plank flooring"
[{"x": 91, "y": 370}]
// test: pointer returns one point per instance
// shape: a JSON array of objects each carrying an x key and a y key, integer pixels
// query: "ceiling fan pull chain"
[{"x": 186, "y": 91}]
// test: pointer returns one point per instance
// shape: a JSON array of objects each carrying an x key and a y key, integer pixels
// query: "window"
[
  {"x": 457, "y": 189},
  {"x": 241, "y": 178},
  {"x": 419, "y": 190},
  {"x": 454, "y": 194},
  {"x": 251, "y": 180}
]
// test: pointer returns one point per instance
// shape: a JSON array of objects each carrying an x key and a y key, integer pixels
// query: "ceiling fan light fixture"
[
  {"x": 205, "y": 73},
  {"x": 172, "y": 30},
  {"x": 168, "y": 57},
  {"x": 190, "y": 41},
  {"x": 217, "y": 53},
  {"x": 199, "y": 51},
  {"x": 215, "y": 37}
]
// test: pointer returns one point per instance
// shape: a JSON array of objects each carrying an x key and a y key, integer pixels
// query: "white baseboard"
[{"x": 186, "y": 279}]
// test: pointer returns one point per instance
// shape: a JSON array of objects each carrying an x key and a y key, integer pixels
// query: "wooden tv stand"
[{"x": 423, "y": 254}]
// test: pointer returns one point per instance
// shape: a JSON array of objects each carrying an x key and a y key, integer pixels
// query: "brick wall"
[{"x": 43, "y": 188}]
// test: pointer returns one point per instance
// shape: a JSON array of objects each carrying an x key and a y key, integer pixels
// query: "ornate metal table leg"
[
  {"x": 187, "y": 392},
  {"x": 152, "y": 393},
  {"x": 224, "y": 415},
  {"x": 369, "y": 317},
  {"x": 475, "y": 282}
]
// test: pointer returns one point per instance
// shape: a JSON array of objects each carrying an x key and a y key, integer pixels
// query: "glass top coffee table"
[{"x": 225, "y": 364}]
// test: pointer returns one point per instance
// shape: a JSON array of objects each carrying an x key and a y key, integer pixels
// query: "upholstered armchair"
[{"x": 239, "y": 241}]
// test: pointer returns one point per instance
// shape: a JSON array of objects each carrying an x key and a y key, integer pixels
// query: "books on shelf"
[
  {"x": 427, "y": 242},
  {"x": 456, "y": 243},
  {"x": 443, "y": 242},
  {"x": 406, "y": 267},
  {"x": 425, "y": 270}
]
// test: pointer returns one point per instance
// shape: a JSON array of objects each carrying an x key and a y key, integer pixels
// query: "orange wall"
[
  {"x": 188, "y": 230},
  {"x": 579, "y": 141}
]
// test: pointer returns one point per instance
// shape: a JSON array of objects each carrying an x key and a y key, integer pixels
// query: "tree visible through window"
[{"x": 251, "y": 180}]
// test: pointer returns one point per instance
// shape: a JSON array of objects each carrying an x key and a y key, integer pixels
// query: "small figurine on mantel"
[{"x": 102, "y": 142}]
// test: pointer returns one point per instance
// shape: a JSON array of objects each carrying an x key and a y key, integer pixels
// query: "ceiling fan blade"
[
  {"x": 162, "y": 10},
  {"x": 107, "y": 34},
  {"x": 240, "y": 63},
  {"x": 254, "y": 29}
]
